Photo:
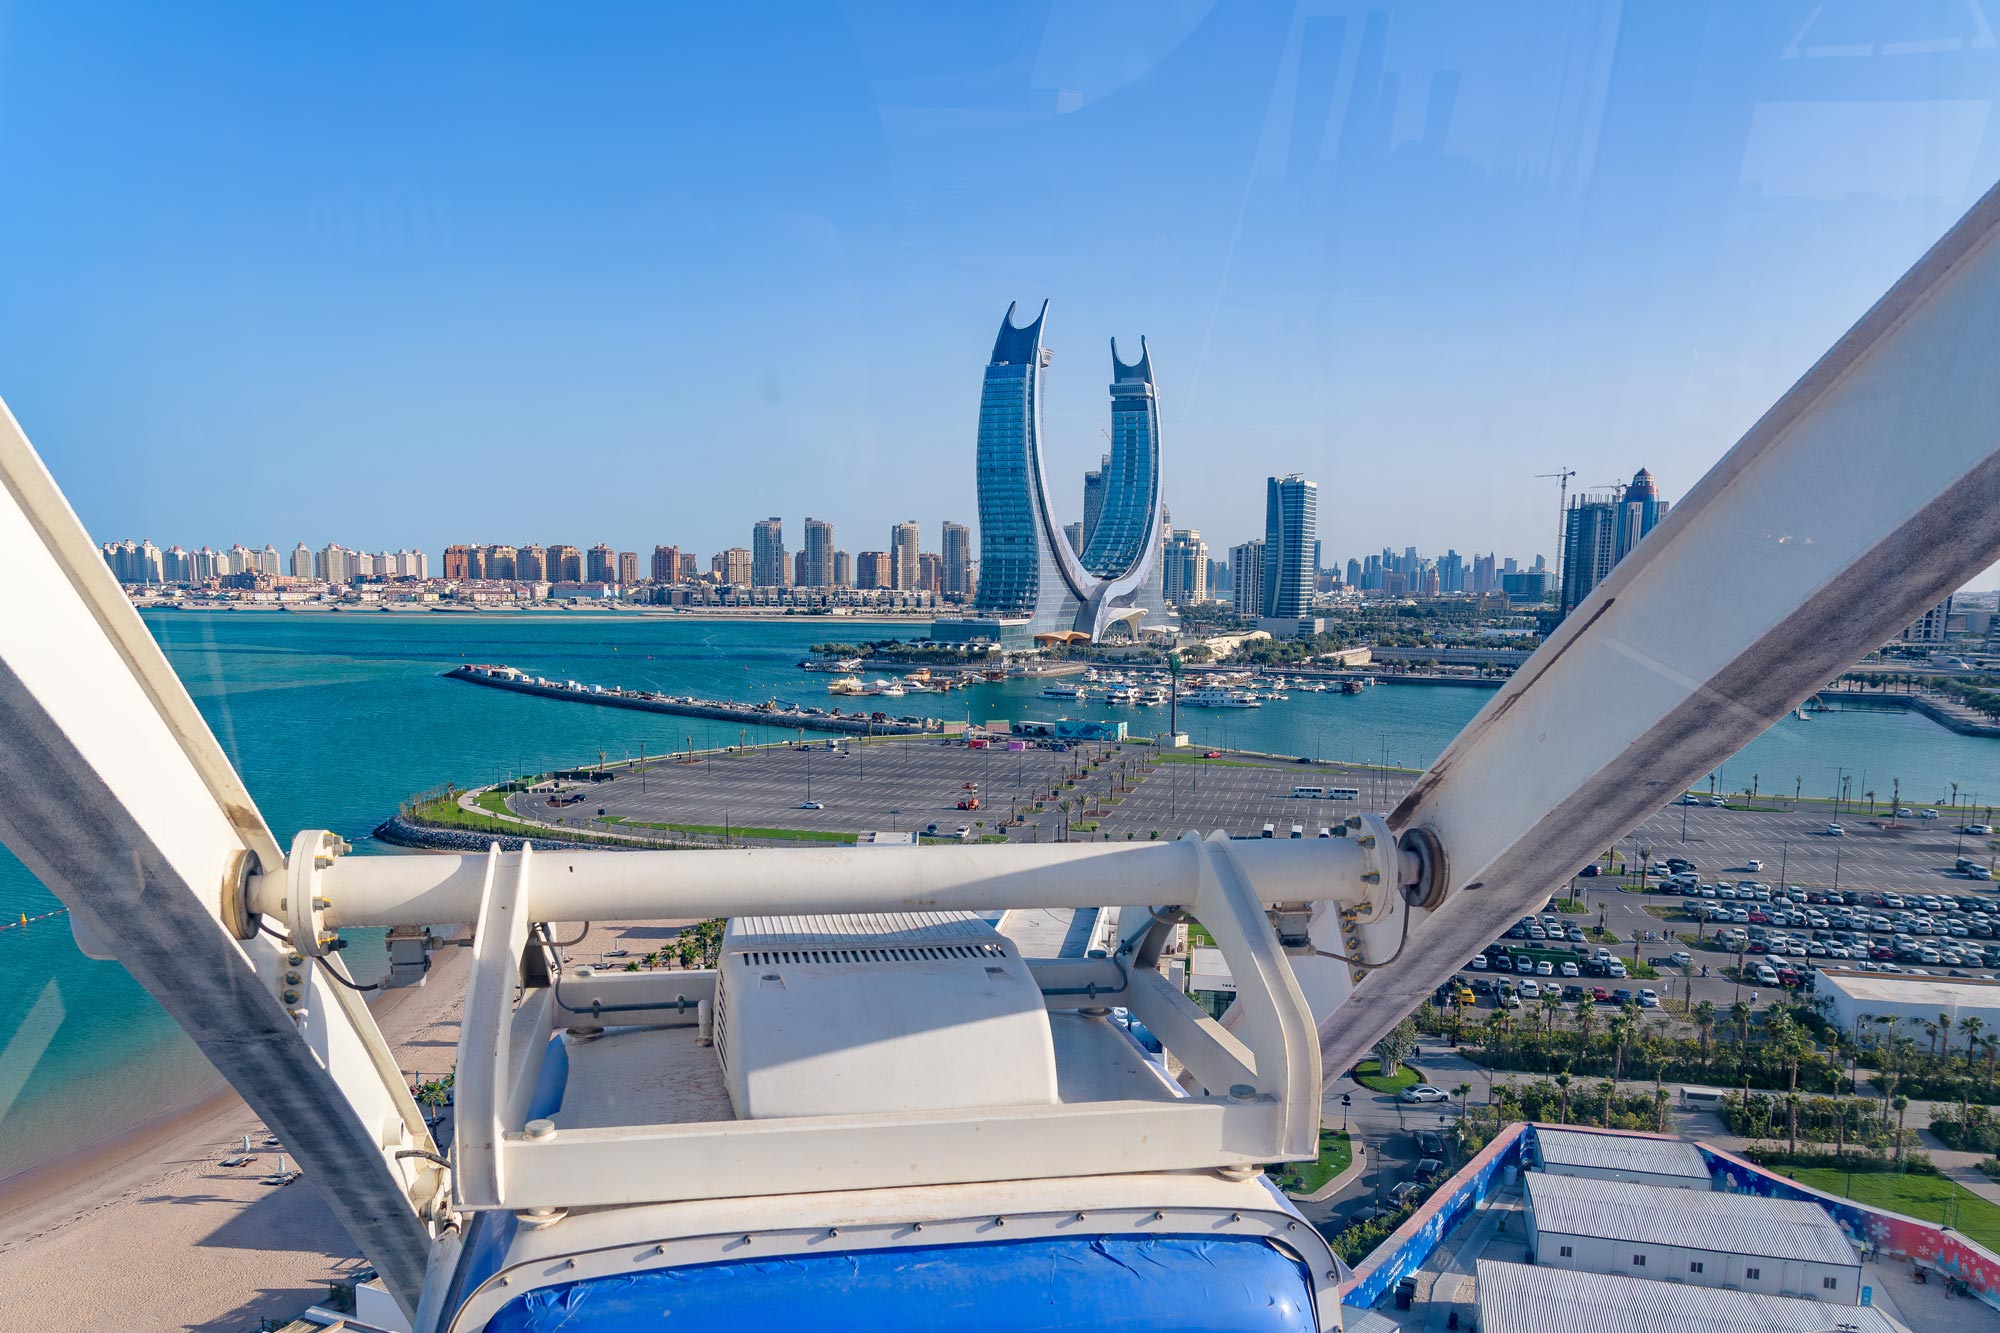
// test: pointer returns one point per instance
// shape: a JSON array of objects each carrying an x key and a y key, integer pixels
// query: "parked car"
[
  {"x": 1418, "y": 1093},
  {"x": 1429, "y": 1168},
  {"x": 1835, "y": 831},
  {"x": 1648, "y": 998}
]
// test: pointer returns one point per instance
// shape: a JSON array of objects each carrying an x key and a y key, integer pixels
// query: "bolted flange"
[
  {"x": 1426, "y": 870},
  {"x": 313, "y": 851}
]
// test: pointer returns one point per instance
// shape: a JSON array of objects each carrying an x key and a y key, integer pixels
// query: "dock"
[{"x": 771, "y": 714}]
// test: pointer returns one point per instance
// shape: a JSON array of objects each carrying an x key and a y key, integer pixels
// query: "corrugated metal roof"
[
  {"x": 1522, "y": 1298},
  {"x": 1367, "y": 1321},
  {"x": 1695, "y": 1219},
  {"x": 1621, "y": 1152}
]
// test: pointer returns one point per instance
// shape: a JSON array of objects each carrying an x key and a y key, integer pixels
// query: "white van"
[
  {"x": 1270, "y": 831},
  {"x": 1298, "y": 830}
]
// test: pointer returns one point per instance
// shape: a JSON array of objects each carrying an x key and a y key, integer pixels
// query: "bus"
[
  {"x": 1343, "y": 793},
  {"x": 1310, "y": 793}
]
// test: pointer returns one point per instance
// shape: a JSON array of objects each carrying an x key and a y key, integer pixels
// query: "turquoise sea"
[{"x": 333, "y": 718}]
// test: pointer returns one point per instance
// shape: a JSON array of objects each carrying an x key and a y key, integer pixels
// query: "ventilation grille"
[
  {"x": 880, "y": 953},
  {"x": 719, "y": 1024}
]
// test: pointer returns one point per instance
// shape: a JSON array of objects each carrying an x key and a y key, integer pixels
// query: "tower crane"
[
  {"x": 1562, "y": 476},
  {"x": 874, "y": 1108}
]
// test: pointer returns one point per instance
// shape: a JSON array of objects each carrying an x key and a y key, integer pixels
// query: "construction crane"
[
  {"x": 875, "y": 1106},
  {"x": 1562, "y": 476}
]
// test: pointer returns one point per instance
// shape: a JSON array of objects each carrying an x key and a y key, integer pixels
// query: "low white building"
[
  {"x": 1633, "y": 1158},
  {"x": 1779, "y": 1247},
  {"x": 1855, "y": 998},
  {"x": 1519, "y": 1298}
]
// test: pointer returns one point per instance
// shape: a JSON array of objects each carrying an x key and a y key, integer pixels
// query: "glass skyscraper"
[
  {"x": 1031, "y": 581},
  {"x": 1291, "y": 521}
]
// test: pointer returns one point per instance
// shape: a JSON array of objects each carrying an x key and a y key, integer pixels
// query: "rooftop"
[
  {"x": 1969, "y": 992},
  {"x": 1622, "y": 1152},
  {"x": 1521, "y": 1298},
  {"x": 1693, "y": 1219}
]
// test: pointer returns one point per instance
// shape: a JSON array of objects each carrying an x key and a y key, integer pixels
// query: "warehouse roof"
[
  {"x": 1621, "y": 1152},
  {"x": 1522, "y": 1298},
  {"x": 1878, "y": 988},
  {"x": 1692, "y": 1219}
]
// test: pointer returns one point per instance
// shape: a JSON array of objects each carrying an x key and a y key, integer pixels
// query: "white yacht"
[
  {"x": 1057, "y": 690},
  {"x": 1215, "y": 697},
  {"x": 846, "y": 685}
]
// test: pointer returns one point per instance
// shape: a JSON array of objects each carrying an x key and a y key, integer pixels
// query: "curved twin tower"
[{"x": 1032, "y": 583}]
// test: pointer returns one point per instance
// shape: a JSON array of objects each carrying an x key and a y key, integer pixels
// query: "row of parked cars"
[{"x": 1506, "y": 993}]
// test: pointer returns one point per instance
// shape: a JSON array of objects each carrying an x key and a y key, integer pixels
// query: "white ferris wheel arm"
[
  {"x": 120, "y": 799},
  {"x": 1863, "y": 497}
]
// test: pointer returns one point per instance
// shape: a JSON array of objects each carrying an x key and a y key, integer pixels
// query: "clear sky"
[{"x": 405, "y": 275}]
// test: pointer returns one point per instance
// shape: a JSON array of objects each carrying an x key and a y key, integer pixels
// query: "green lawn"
[
  {"x": 1368, "y": 1075},
  {"x": 738, "y": 831},
  {"x": 1601, "y": 935},
  {"x": 1571, "y": 905},
  {"x": 1929, "y": 1198},
  {"x": 495, "y": 801},
  {"x": 1335, "y": 1154},
  {"x": 1176, "y": 757}
]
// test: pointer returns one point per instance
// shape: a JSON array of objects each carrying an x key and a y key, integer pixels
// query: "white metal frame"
[{"x": 1257, "y": 1099}]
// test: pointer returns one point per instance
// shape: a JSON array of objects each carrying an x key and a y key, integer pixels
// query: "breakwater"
[
  {"x": 721, "y": 710},
  {"x": 1946, "y": 712}
]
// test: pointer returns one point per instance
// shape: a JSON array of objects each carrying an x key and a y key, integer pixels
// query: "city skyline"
[{"x": 1380, "y": 239}]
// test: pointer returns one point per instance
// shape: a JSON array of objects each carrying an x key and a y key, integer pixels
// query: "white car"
[
  {"x": 1927, "y": 814},
  {"x": 1545, "y": 968},
  {"x": 812, "y": 805},
  {"x": 1981, "y": 829},
  {"x": 1648, "y": 998},
  {"x": 1424, "y": 1092},
  {"x": 1480, "y": 964},
  {"x": 1753, "y": 864},
  {"x": 1835, "y": 831},
  {"x": 1569, "y": 969}
]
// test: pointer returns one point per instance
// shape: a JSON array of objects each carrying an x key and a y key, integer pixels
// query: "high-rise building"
[
  {"x": 302, "y": 561},
  {"x": 1354, "y": 573},
  {"x": 1600, "y": 530},
  {"x": 331, "y": 564},
  {"x": 690, "y": 567},
  {"x": 1093, "y": 501},
  {"x": 767, "y": 553},
  {"x": 666, "y": 564},
  {"x": 738, "y": 567},
  {"x": 843, "y": 570},
  {"x": 903, "y": 551},
  {"x": 601, "y": 565},
  {"x": 957, "y": 554},
  {"x": 174, "y": 565},
  {"x": 628, "y": 568},
  {"x": 1031, "y": 581},
  {"x": 269, "y": 562},
  {"x": 1246, "y": 577},
  {"x": 531, "y": 563},
  {"x": 1291, "y": 515},
  {"x": 1073, "y": 534},
  {"x": 815, "y": 568},
  {"x": 503, "y": 562},
  {"x": 1590, "y": 546},
  {"x": 874, "y": 569},
  {"x": 1185, "y": 568},
  {"x": 455, "y": 557},
  {"x": 930, "y": 572},
  {"x": 565, "y": 564}
]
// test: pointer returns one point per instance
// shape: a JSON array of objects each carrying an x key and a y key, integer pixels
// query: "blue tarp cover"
[{"x": 1105, "y": 1284}]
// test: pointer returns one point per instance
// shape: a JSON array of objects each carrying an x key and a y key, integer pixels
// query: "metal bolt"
[
  {"x": 1242, "y": 1092},
  {"x": 540, "y": 1129},
  {"x": 292, "y": 978},
  {"x": 999, "y": 1221},
  {"x": 1291, "y": 1226},
  {"x": 290, "y": 997},
  {"x": 1236, "y": 1217}
]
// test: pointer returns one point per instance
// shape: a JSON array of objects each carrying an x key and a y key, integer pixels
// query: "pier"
[{"x": 771, "y": 714}]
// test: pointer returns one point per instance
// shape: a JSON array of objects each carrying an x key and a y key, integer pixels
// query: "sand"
[{"x": 149, "y": 1232}]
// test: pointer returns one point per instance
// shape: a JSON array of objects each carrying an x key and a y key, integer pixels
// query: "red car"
[
  {"x": 1601, "y": 995},
  {"x": 1213, "y": 754}
]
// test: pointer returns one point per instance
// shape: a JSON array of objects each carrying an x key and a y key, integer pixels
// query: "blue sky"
[{"x": 396, "y": 275}]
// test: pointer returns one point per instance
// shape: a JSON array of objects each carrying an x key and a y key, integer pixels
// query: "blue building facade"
[{"x": 1032, "y": 582}]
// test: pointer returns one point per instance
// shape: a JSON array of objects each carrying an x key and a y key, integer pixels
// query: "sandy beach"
[{"x": 149, "y": 1232}]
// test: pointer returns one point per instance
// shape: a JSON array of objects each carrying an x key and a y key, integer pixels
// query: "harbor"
[{"x": 771, "y": 714}]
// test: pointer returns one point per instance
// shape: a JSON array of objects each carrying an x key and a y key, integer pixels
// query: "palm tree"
[
  {"x": 1704, "y": 1020},
  {"x": 1621, "y": 1032},
  {"x": 1562, "y": 1091},
  {"x": 1970, "y": 1028},
  {"x": 1901, "y": 1104},
  {"x": 1739, "y": 1014},
  {"x": 1552, "y": 1003},
  {"x": 1462, "y": 1091},
  {"x": 1931, "y": 1031},
  {"x": 1586, "y": 1015},
  {"x": 1610, "y": 1091}
]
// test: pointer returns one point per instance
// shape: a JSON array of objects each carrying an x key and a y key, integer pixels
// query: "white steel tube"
[{"x": 639, "y": 886}]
